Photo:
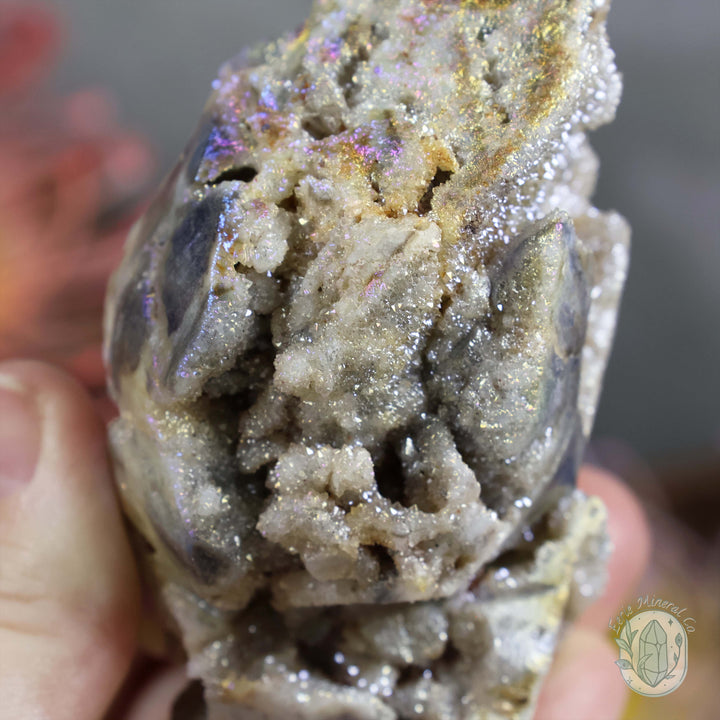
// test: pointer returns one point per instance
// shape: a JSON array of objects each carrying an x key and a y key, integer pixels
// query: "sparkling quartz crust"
[{"x": 357, "y": 343}]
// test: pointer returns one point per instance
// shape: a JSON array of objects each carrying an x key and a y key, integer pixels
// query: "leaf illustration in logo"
[
  {"x": 678, "y": 640},
  {"x": 623, "y": 664},
  {"x": 623, "y": 646},
  {"x": 627, "y": 634},
  {"x": 653, "y": 665}
]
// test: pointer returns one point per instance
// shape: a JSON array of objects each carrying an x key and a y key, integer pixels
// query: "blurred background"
[{"x": 124, "y": 85}]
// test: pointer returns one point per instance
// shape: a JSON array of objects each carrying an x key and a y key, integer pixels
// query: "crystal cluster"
[{"x": 357, "y": 344}]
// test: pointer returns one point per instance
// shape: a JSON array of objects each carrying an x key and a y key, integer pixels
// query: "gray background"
[{"x": 660, "y": 164}]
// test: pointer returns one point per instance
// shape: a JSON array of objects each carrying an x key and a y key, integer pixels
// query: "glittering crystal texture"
[{"x": 357, "y": 343}]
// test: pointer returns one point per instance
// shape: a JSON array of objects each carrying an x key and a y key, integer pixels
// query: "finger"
[
  {"x": 68, "y": 585},
  {"x": 631, "y": 540},
  {"x": 150, "y": 690},
  {"x": 156, "y": 700},
  {"x": 584, "y": 682}
]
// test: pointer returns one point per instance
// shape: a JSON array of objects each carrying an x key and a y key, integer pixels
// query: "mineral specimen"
[{"x": 357, "y": 344}]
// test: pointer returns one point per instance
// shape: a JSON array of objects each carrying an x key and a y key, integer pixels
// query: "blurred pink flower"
[{"x": 69, "y": 179}]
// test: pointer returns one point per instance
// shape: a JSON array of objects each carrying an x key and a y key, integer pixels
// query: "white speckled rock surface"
[{"x": 357, "y": 343}]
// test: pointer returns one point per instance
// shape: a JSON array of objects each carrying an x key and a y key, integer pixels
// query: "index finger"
[{"x": 631, "y": 540}]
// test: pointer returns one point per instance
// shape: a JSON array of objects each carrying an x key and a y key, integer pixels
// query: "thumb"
[{"x": 68, "y": 585}]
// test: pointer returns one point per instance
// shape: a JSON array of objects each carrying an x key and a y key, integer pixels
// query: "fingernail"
[{"x": 19, "y": 435}]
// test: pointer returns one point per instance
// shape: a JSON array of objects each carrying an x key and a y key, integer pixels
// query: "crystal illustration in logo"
[{"x": 651, "y": 663}]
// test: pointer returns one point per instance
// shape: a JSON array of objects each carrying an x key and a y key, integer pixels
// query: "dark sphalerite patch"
[
  {"x": 206, "y": 563},
  {"x": 198, "y": 146},
  {"x": 188, "y": 258},
  {"x": 131, "y": 325}
]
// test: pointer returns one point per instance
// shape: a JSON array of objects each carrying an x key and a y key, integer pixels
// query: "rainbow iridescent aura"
[{"x": 357, "y": 343}]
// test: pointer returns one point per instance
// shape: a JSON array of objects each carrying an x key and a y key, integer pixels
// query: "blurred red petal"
[
  {"x": 69, "y": 173},
  {"x": 91, "y": 112},
  {"x": 29, "y": 40},
  {"x": 130, "y": 164}
]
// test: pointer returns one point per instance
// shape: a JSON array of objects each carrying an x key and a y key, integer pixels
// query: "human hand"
[
  {"x": 70, "y": 594},
  {"x": 69, "y": 589}
]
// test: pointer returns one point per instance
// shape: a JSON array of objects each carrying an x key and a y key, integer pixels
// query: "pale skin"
[{"x": 70, "y": 594}]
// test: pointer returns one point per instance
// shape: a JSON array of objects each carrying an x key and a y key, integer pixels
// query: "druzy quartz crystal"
[{"x": 357, "y": 343}]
